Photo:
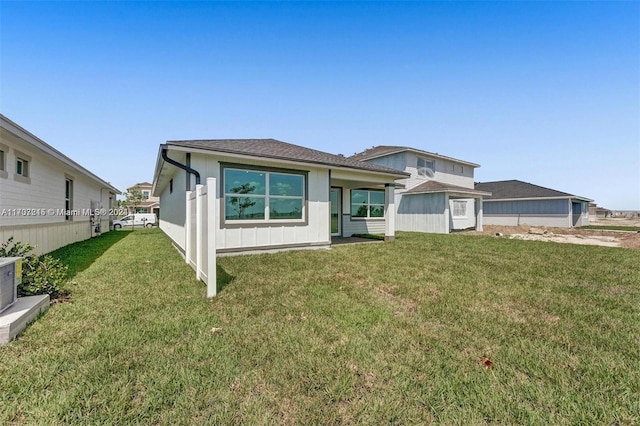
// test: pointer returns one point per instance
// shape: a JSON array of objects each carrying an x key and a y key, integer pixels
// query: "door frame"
[{"x": 338, "y": 189}]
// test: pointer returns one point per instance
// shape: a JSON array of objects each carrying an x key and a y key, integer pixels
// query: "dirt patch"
[{"x": 626, "y": 239}]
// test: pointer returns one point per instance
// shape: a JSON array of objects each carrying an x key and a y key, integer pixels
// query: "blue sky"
[{"x": 544, "y": 92}]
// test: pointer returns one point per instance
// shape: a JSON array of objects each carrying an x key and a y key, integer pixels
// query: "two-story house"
[
  {"x": 149, "y": 203},
  {"x": 438, "y": 196}
]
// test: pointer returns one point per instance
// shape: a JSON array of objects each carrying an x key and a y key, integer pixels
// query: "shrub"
[{"x": 40, "y": 274}]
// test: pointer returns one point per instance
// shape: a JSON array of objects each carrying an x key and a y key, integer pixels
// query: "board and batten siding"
[
  {"x": 44, "y": 192},
  {"x": 422, "y": 213},
  {"x": 316, "y": 231},
  {"x": 552, "y": 213}
]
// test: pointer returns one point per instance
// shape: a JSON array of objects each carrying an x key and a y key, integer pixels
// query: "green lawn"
[
  {"x": 372, "y": 333},
  {"x": 613, "y": 227}
]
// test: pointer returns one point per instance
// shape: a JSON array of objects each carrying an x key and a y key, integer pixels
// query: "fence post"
[
  {"x": 198, "y": 233},
  {"x": 211, "y": 237}
]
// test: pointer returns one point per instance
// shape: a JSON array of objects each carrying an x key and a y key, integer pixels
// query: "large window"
[
  {"x": 261, "y": 195},
  {"x": 426, "y": 167},
  {"x": 459, "y": 208},
  {"x": 367, "y": 203}
]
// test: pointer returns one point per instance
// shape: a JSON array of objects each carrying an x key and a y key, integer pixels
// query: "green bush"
[{"x": 40, "y": 274}]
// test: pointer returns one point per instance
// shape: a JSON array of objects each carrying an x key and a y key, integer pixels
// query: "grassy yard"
[
  {"x": 374, "y": 333},
  {"x": 613, "y": 228}
]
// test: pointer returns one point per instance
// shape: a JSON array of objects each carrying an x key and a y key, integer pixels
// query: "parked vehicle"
[{"x": 142, "y": 220}]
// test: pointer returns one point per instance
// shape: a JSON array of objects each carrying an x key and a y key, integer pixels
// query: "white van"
[{"x": 141, "y": 220}]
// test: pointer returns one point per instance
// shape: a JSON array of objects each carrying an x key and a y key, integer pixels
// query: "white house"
[
  {"x": 273, "y": 195},
  {"x": 438, "y": 196},
  {"x": 47, "y": 199},
  {"x": 513, "y": 202}
]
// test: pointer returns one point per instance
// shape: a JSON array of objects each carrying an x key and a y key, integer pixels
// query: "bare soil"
[{"x": 626, "y": 239}]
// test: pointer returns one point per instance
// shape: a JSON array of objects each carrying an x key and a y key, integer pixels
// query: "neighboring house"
[
  {"x": 596, "y": 212},
  {"x": 274, "y": 195},
  {"x": 47, "y": 199},
  {"x": 513, "y": 202},
  {"x": 149, "y": 203},
  {"x": 438, "y": 196}
]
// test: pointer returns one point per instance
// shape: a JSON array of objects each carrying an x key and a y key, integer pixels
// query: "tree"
[
  {"x": 134, "y": 198},
  {"x": 240, "y": 204}
]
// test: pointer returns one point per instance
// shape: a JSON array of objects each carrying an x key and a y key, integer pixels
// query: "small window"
[
  {"x": 426, "y": 167},
  {"x": 22, "y": 167},
  {"x": 145, "y": 195},
  {"x": 459, "y": 208},
  {"x": 68, "y": 198},
  {"x": 171, "y": 186},
  {"x": 367, "y": 204},
  {"x": 3, "y": 166}
]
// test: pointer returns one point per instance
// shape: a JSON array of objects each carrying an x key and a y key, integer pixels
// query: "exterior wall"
[
  {"x": 316, "y": 230},
  {"x": 469, "y": 220},
  {"x": 422, "y": 213},
  {"x": 580, "y": 213},
  {"x": 43, "y": 195},
  {"x": 552, "y": 213},
  {"x": 445, "y": 171}
]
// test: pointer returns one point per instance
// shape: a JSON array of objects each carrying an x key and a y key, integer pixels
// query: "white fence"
[{"x": 200, "y": 244}]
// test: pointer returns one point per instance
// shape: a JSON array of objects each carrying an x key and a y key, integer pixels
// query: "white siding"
[
  {"x": 315, "y": 231},
  {"x": 469, "y": 220},
  {"x": 422, "y": 213},
  {"x": 45, "y": 193},
  {"x": 561, "y": 221},
  {"x": 173, "y": 208}
]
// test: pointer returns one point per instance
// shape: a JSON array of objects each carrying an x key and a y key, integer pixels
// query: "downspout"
[{"x": 184, "y": 167}]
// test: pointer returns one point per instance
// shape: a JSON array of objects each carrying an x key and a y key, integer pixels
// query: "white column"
[
  {"x": 389, "y": 212},
  {"x": 212, "y": 224},
  {"x": 447, "y": 214},
  {"x": 479, "y": 214}
]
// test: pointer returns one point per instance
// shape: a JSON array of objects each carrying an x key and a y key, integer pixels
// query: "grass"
[
  {"x": 613, "y": 227},
  {"x": 369, "y": 333}
]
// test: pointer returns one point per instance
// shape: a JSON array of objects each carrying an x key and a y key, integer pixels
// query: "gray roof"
[
  {"x": 510, "y": 189},
  {"x": 383, "y": 150},
  {"x": 435, "y": 186},
  {"x": 278, "y": 150}
]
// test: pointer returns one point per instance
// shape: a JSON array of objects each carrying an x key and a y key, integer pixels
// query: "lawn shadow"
[
  {"x": 79, "y": 256},
  {"x": 223, "y": 279}
]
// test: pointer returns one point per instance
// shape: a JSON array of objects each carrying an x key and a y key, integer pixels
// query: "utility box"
[{"x": 10, "y": 277}]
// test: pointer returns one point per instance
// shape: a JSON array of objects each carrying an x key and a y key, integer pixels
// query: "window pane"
[
  {"x": 285, "y": 208},
  {"x": 376, "y": 197},
  {"x": 244, "y": 182},
  {"x": 359, "y": 197},
  {"x": 377, "y": 211},
  {"x": 359, "y": 210},
  {"x": 243, "y": 208},
  {"x": 19, "y": 167},
  {"x": 289, "y": 185}
]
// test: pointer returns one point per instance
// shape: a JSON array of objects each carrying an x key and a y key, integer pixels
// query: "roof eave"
[{"x": 396, "y": 173}]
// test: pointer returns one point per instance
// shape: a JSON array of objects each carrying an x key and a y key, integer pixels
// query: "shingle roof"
[
  {"x": 435, "y": 186},
  {"x": 382, "y": 150},
  {"x": 275, "y": 149},
  {"x": 507, "y": 189}
]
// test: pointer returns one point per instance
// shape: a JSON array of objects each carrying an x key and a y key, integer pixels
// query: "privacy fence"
[{"x": 200, "y": 233}]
